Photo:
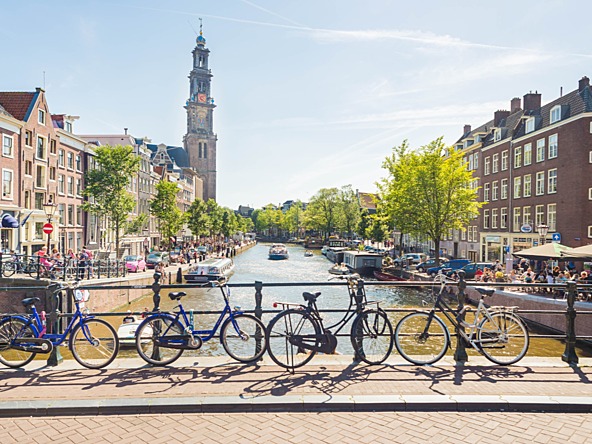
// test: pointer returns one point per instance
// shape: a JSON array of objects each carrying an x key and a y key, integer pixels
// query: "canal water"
[{"x": 253, "y": 265}]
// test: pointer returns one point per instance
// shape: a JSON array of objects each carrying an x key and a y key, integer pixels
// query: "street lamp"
[
  {"x": 49, "y": 207},
  {"x": 543, "y": 229}
]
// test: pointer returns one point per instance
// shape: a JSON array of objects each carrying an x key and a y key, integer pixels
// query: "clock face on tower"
[{"x": 201, "y": 98}]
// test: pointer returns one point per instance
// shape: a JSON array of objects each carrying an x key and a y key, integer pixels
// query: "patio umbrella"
[
  {"x": 579, "y": 253},
  {"x": 551, "y": 250}
]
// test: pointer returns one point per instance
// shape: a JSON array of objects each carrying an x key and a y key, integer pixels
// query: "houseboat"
[
  {"x": 362, "y": 262},
  {"x": 278, "y": 252},
  {"x": 213, "y": 269}
]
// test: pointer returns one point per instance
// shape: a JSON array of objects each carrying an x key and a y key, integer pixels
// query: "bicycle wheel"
[
  {"x": 504, "y": 339},
  {"x": 8, "y": 269},
  {"x": 286, "y": 333},
  {"x": 31, "y": 269},
  {"x": 248, "y": 343},
  {"x": 154, "y": 329},
  {"x": 372, "y": 336},
  {"x": 10, "y": 329},
  {"x": 94, "y": 343},
  {"x": 419, "y": 342}
]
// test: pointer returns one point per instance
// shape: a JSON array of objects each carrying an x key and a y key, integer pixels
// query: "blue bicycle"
[
  {"x": 92, "y": 341},
  {"x": 162, "y": 337}
]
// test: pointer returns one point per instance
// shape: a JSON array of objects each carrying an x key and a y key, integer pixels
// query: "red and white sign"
[{"x": 47, "y": 228}]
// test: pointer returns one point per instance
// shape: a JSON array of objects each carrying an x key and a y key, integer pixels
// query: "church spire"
[{"x": 201, "y": 41}]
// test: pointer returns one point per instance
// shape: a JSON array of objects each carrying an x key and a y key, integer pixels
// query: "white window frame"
[
  {"x": 497, "y": 135},
  {"x": 529, "y": 125},
  {"x": 517, "y": 157},
  {"x": 44, "y": 148},
  {"x": 553, "y": 146},
  {"x": 539, "y": 215},
  {"x": 526, "y": 215},
  {"x": 8, "y": 142},
  {"x": 494, "y": 190},
  {"x": 494, "y": 213},
  {"x": 476, "y": 160},
  {"x": 517, "y": 187},
  {"x": 486, "y": 219},
  {"x": 590, "y": 226},
  {"x": 505, "y": 156},
  {"x": 552, "y": 181},
  {"x": 552, "y": 216},
  {"x": 41, "y": 116},
  {"x": 589, "y": 193},
  {"x": 504, "y": 217},
  {"x": 540, "y": 183},
  {"x": 504, "y": 189},
  {"x": 8, "y": 194},
  {"x": 555, "y": 114},
  {"x": 495, "y": 163},
  {"x": 527, "y": 186},
  {"x": 61, "y": 185},
  {"x": 540, "y": 150},
  {"x": 486, "y": 166},
  {"x": 486, "y": 192},
  {"x": 516, "y": 219},
  {"x": 527, "y": 159}
]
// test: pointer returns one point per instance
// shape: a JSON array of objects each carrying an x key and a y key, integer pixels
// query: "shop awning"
[
  {"x": 8, "y": 221},
  {"x": 578, "y": 254},
  {"x": 552, "y": 250}
]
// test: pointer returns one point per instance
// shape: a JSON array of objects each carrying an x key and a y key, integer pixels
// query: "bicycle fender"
[{"x": 24, "y": 319}]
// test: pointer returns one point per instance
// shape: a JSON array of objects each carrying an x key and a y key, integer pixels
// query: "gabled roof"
[
  {"x": 176, "y": 153},
  {"x": 19, "y": 104},
  {"x": 367, "y": 201}
]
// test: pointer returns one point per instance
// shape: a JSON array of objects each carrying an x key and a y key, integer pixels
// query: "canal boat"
[
  {"x": 278, "y": 252},
  {"x": 362, "y": 262},
  {"x": 308, "y": 253},
  {"x": 339, "y": 269},
  {"x": 127, "y": 330},
  {"x": 213, "y": 269}
]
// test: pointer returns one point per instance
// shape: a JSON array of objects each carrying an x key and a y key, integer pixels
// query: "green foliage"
[
  {"x": 136, "y": 224},
  {"x": 197, "y": 218},
  {"x": 106, "y": 186},
  {"x": 322, "y": 212},
  {"x": 294, "y": 218},
  {"x": 349, "y": 215},
  {"x": 164, "y": 208}
]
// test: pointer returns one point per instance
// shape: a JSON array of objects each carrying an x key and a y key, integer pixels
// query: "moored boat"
[
  {"x": 278, "y": 252},
  {"x": 381, "y": 276},
  {"x": 361, "y": 262},
  {"x": 127, "y": 330},
  {"x": 339, "y": 269},
  {"x": 308, "y": 253},
  {"x": 213, "y": 269}
]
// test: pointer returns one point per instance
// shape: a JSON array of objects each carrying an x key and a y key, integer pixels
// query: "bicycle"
[
  {"x": 497, "y": 333},
  {"x": 92, "y": 341},
  {"x": 297, "y": 333},
  {"x": 161, "y": 338}
]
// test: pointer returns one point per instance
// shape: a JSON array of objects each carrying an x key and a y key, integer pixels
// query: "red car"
[{"x": 135, "y": 264}]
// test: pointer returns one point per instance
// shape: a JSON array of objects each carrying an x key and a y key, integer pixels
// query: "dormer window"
[
  {"x": 529, "y": 125},
  {"x": 468, "y": 142},
  {"x": 68, "y": 126},
  {"x": 497, "y": 135},
  {"x": 556, "y": 114}
]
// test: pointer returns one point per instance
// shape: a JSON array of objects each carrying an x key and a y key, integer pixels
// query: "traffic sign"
[
  {"x": 556, "y": 237},
  {"x": 47, "y": 228}
]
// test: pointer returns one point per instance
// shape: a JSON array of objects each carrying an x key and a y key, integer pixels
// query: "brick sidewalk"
[{"x": 328, "y": 384}]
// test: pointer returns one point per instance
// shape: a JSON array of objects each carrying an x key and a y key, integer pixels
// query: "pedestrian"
[{"x": 82, "y": 263}]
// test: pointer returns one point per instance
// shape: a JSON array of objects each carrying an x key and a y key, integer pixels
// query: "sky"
[{"x": 310, "y": 94}]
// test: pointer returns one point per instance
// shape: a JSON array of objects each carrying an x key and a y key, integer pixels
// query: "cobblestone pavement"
[{"x": 405, "y": 427}]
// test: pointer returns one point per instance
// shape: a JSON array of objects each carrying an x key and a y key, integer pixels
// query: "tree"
[
  {"x": 229, "y": 222},
  {"x": 323, "y": 210},
  {"x": 349, "y": 213},
  {"x": 198, "y": 218},
  {"x": 428, "y": 191},
  {"x": 164, "y": 208},
  {"x": 292, "y": 221},
  {"x": 215, "y": 214},
  {"x": 106, "y": 186}
]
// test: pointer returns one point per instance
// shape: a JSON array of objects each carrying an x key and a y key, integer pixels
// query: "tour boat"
[
  {"x": 278, "y": 252},
  {"x": 213, "y": 269}
]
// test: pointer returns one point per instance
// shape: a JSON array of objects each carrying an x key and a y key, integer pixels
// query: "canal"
[{"x": 253, "y": 265}]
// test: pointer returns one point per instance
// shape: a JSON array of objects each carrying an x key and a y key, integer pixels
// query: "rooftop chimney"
[
  {"x": 515, "y": 104},
  {"x": 583, "y": 83},
  {"x": 498, "y": 116},
  {"x": 467, "y": 129},
  {"x": 532, "y": 101},
  {"x": 125, "y": 129}
]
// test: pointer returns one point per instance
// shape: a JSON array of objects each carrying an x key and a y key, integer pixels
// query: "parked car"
[
  {"x": 174, "y": 255},
  {"x": 415, "y": 258},
  {"x": 202, "y": 249},
  {"x": 135, "y": 263},
  {"x": 423, "y": 266},
  {"x": 453, "y": 264},
  {"x": 156, "y": 257},
  {"x": 470, "y": 269}
]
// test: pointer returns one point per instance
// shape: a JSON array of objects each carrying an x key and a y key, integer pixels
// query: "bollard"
[
  {"x": 258, "y": 311},
  {"x": 569, "y": 355},
  {"x": 460, "y": 354},
  {"x": 53, "y": 304},
  {"x": 179, "y": 276},
  {"x": 156, "y": 301}
]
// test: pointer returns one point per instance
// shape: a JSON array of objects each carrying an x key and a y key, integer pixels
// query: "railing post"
[
  {"x": 108, "y": 267},
  {"x": 53, "y": 304},
  {"x": 460, "y": 354},
  {"x": 1, "y": 264},
  {"x": 258, "y": 311},
  {"x": 569, "y": 355},
  {"x": 156, "y": 300},
  {"x": 38, "y": 267}
]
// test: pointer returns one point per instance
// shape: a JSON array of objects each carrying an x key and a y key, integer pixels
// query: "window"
[
  {"x": 28, "y": 138},
  {"x": 486, "y": 166},
  {"x": 553, "y": 146},
  {"x": 7, "y": 145},
  {"x": 526, "y": 217},
  {"x": 40, "y": 154},
  {"x": 527, "y": 192},
  {"x": 552, "y": 217},
  {"x": 497, "y": 135},
  {"x": 518, "y": 157},
  {"x": 79, "y": 215},
  {"x": 540, "y": 150},
  {"x": 485, "y": 218},
  {"x": 529, "y": 125},
  {"x": 504, "y": 217},
  {"x": 70, "y": 214},
  {"x": 61, "y": 184},
  {"x": 504, "y": 160},
  {"x": 39, "y": 201},
  {"x": 494, "y": 218},
  {"x": 539, "y": 215},
  {"x": 476, "y": 160},
  {"x": 41, "y": 117},
  {"x": 527, "y": 154},
  {"x": 7, "y": 184},
  {"x": 552, "y": 181},
  {"x": 504, "y": 189},
  {"x": 52, "y": 146},
  {"x": 61, "y": 158},
  {"x": 470, "y": 161},
  {"x": 494, "y": 190},
  {"x": 28, "y": 168},
  {"x": 78, "y": 187},
  {"x": 61, "y": 214},
  {"x": 540, "y": 183},
  {"x": 517, "y": 219},
  {"x": 486, "y": 192},
  {"x": 556, "y": 113},
  {"x": 463, "y": 235},
  {"x": 70, "y": 186},
  {"x": 28, "y": 200},
  {"x": 495, "y": 163},
  {"x": 70, "y": 161},
  {"x": 52, "y": 173},
  {"x": 40, "y": 179},
  {"x": 517, "y": 186},
  {"x": 68, "y": 126},
  {"x": 78, "y": 163},
  {"x": 589, "y": 230}
]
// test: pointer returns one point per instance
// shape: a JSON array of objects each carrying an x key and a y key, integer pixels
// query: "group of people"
[{"x": 54, "y": 261}]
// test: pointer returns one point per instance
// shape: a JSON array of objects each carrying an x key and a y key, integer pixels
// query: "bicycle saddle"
[
  {"x": 311, "y": 297},
  {"x": 29, "y": 301},
  {"x": 485, "y": 291},
  {"x": 177, "y": 295}
]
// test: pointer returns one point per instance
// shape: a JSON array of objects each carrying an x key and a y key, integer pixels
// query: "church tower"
[{"x": 200, "y": 140}]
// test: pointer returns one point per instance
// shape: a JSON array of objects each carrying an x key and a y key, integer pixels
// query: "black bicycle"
[{"x": 297, "y": 333}]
